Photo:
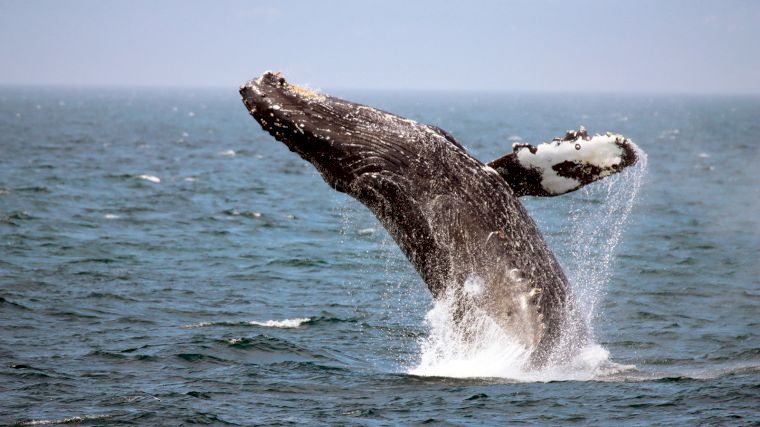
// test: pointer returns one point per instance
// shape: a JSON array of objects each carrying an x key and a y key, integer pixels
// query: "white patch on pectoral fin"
[{"x": 568, "y": 163}]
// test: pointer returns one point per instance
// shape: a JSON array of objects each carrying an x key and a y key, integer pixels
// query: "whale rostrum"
[{"x": 456, "y": 219}]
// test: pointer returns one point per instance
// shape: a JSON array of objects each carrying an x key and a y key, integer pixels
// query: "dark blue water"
[{"x": 164, "y": 261}]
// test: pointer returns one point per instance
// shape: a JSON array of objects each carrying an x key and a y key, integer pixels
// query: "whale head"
[
  {"x": 345, "y": 141},
  {"x": 281, "y": 109}
]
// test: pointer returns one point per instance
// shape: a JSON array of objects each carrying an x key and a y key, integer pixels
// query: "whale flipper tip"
[{"x": 565, "y": 164}]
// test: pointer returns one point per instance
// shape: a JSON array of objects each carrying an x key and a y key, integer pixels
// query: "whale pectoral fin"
[{"x": 565, "y": 164}]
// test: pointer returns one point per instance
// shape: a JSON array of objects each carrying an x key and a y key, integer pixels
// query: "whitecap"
[
  {"x": 70, "y": 420},
  {"x": 287, "y": 323},
  {"x": 111, "y": 216},
  {"x": 284, "y": 324},
  {"x": 227, "y": 153},
  {"x": 366, "y": 231},
  {"x": 202, "y": 325},
  {"x": 151, "y": 178}
]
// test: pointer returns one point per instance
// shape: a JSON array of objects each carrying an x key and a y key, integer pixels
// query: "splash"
[
  {"x": 477, "y": 347},
  {"x": 597, "y": 219}
]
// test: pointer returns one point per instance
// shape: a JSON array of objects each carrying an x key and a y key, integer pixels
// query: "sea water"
[{"x": 164, "y": 261}]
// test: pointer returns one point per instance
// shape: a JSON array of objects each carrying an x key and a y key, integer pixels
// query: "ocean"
[{"x": 163, "y": 261}]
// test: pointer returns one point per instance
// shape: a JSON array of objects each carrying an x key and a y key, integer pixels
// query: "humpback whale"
[{"x": 458, "y": 221}]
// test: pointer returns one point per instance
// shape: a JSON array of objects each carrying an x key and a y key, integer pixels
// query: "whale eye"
[{"x": 577, "y": 146}]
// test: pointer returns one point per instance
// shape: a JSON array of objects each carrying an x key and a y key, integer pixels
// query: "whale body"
[{"x": 458, "y": 221}]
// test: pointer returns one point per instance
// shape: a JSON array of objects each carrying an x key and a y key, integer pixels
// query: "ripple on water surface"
[{"x": 149, "y": 276}]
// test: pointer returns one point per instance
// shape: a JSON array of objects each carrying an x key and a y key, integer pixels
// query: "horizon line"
[{"x": 117, "y": 86}]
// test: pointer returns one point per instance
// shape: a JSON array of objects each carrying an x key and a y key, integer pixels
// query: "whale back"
[{"x": 456, "y": 219}]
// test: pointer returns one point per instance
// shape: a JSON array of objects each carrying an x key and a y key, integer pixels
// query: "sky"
[{"x": 641, "y": 46}]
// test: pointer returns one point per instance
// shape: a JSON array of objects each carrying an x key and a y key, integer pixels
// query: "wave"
[
  {"x": 10, "y": 304},
  {"x": 200, "y": 357},
  {"x": 151, "y": 178},
  {"x": 686, "y": 373},
  {"x": 235, "y": 212},
  {"x": 285, "y": 323},
  {"x": 266, "y": 343},
  {"x": 261, "y": 349},
  {"x": 69, "y": 420}
]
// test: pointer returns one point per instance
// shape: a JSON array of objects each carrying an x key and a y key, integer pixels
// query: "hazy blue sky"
[{"x": 602, "y": 46}]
